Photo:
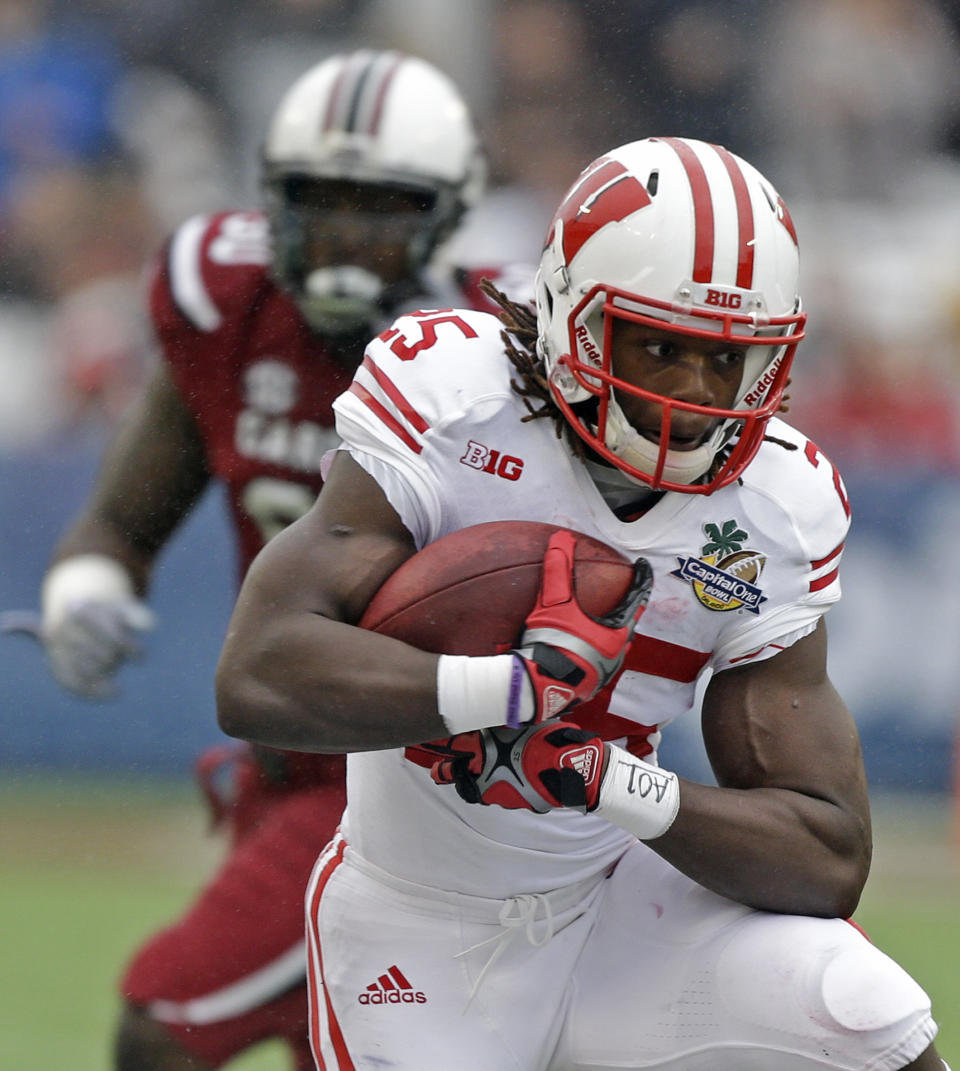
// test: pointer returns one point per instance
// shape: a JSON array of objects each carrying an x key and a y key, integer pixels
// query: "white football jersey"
[{"x": 738, "y": 575}]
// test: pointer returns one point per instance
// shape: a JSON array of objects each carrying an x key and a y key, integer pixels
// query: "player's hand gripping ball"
[
  {"x": 570, "y": 655},
  {"x": 471, "y": 592},
  {"x": 537, "y": 768}
]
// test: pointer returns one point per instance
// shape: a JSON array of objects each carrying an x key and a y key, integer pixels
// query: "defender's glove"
[
  {"x": 567, "y": 655},
  {"x": 560, "y": 765},
  {"x": 91, "y": 623}
]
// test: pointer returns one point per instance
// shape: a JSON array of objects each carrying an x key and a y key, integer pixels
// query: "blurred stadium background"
[{"x": 119, "y": 118}]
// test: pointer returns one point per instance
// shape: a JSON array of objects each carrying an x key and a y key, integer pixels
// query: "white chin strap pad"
[
  {"x": 340, "y": 298},
  {"x": 682, "y": 466}
]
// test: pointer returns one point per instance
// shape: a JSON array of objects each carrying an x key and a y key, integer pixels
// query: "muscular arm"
[
  {"x": 788, "y": 828},
  {"x": 153, "y": 472},
  {"x": 294, "y": 671}
]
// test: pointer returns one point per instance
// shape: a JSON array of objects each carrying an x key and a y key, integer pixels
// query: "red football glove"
[
  {"x": 537, "y": 768},
  {"x": 568, "y": 655}
]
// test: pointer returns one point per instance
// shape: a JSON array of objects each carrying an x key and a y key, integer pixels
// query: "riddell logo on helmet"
[
  {"x": 583, "y": 338},
  {"x": 392, "y": 988},
  {"x": 755, "y": 395}
]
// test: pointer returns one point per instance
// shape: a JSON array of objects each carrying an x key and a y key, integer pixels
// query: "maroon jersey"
[{"x": 258, "y": 382}]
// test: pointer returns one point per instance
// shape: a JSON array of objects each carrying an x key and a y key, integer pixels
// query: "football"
[{"x": 470, "y": 592}]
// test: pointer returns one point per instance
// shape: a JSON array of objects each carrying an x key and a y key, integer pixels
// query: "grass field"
[{"x": 89, "y": 869}]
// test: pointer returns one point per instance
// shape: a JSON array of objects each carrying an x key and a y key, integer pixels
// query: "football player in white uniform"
[{"x": 602, "y": 912}]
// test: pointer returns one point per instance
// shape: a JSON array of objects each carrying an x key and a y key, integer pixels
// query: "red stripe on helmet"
[
  {"x": 785, "y": 218},
  {"x": 703, "y": 221},
  {"x": 335, "y": 93},
  {"x": 746, "y": 233},
  {"x": 607, "y": 194},
  {"x": 381, "y": 94}
]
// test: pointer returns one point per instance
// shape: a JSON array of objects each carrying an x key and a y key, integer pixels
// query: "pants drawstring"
[{"x": 518, "y": 913}]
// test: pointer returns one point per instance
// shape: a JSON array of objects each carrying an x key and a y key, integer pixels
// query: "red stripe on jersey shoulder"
[
  {"x": 824, "y": 581},
  {"x": 827, "y": 579},
  {"x": 821, "y": 562},
  {"x": 389, "y": 388},
  {"x": 759, "y": 650},
  {"x": 380, "y": 411}
]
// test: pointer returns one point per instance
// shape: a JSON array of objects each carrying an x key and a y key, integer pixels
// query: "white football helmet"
[
  {"x": 684, "y": 236},
  {"x": 379, "y": 119}
]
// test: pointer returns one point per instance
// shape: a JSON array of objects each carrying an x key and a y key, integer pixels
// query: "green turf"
[
  {"x": 90, "y": 869},
  {"x": 911, "y": 906}
]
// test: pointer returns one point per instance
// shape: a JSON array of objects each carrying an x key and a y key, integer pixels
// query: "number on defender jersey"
[
  {"x": 273, "y": 504},
  {"x": 427, "y": 322}
]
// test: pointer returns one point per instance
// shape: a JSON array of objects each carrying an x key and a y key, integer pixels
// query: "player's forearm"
[
  {"x": 311, "y": 684},
  {"x": 91, "y": 534},
  {"x": 773, "y": 849}
]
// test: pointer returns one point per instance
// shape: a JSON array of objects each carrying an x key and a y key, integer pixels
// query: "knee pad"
[
  {"x": 864, "y": 990},
  {"x": 785, "y": 972}
]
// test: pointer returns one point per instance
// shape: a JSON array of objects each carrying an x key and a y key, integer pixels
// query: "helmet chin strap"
[
  {"x": 681, "y": 466},
  {"x": 340, "y": 300}
]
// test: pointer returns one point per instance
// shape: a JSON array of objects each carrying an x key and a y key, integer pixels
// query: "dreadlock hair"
[{"x": 520, "y": 344}]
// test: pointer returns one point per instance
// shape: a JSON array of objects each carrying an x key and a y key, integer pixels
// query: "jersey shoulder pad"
[
  {"x": 213, "y": 265},
  {"x": 427, "y": 369},
  {"x": 793, "y": 472}
]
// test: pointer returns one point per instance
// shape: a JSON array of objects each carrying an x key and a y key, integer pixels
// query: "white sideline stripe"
[
  {"x": 186, "y": 280},
  {"x": 237, "y": 999}
]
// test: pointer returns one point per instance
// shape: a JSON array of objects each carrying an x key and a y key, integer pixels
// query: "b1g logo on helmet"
[
  {"x": 723, "y": 299},
  {"x": 725, "y": 575}
]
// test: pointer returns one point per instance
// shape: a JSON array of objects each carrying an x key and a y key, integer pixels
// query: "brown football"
[{"x": 470, "y": 592}]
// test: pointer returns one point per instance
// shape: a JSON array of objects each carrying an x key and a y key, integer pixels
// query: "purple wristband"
[{"x": 514, "y": 695}]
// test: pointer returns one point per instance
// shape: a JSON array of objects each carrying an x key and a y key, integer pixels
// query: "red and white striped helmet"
[
  {"x": 685, "y": 236},
  {"x": 377, "y": 118}
]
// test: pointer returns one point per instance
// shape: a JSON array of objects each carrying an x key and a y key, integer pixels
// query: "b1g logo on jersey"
[
  {"x": 725, "y": 575},
  {"x": 478, "y": 456}
]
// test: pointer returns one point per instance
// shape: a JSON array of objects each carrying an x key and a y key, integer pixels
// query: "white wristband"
[
  {"x": 475, "y": 692},
  {"x": 637, "y": 796},
  {"x": 83, "y": 577}
]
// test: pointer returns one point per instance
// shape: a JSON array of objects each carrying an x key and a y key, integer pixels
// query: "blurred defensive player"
[
  {"x": 532, "y": 890},
  {"x": 370, "y": 162}
]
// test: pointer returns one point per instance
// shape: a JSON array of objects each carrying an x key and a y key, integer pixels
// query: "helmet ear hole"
[{"x": 653, "y": 181}]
